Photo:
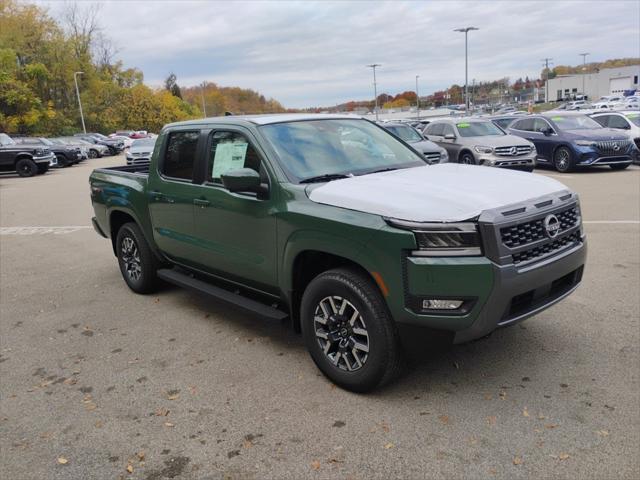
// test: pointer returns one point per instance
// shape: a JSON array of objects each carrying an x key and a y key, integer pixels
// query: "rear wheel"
[
  {"x": 137, "y": 263},
  {"x": 467, "y": 158},
  {"x": 93, "y": 153},
  {"x": 348, "y": 330},
  {"x": 25, "y": 167},
  {"x": 563, "y": 160},
  {"x": 619, "y": 167}
]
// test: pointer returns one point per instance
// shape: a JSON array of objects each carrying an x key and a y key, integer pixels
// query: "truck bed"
[{"x": 138, "y": 169}]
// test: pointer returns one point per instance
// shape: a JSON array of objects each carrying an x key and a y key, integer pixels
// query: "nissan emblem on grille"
[{"x": 551, "y": 225}]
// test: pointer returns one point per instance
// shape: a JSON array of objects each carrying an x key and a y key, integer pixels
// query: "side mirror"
[
  {"x": 547, "y": 131},
  {"x": 449, "y": 136},
  {"x": 241, "y": 180}
]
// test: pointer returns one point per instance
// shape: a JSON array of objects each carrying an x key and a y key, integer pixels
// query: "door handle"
[
  {"x": 161, "y": 197},
  {"x": 202, "y": 203}
]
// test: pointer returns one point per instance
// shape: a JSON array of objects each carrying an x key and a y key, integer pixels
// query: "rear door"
[
  {"x": 171, "y": 191},
  {"x": 236, "y": 231}
]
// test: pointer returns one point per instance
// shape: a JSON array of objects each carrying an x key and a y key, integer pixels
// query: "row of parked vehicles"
[
  {"x": 560, "y": 139},
  {"x": 30, "y": 156}
]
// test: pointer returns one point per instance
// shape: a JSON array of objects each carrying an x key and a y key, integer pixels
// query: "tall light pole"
[
  {"x": 375, "y": 85},
  {"x": 75, "y": 79},
  {"x": 466, "y": 31},
  {"x": 204, "y": 108},
  {"x": 584, "y": 69},
  {"x": 546, "y": 83},
  {"x": 417, "y": 97}
]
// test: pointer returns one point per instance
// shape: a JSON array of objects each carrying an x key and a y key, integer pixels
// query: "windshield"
[
  {"x": 100, "y": 136},
  {"x": 635, "y": 118},
  {"x": 408, "y": 134},
  {"x": 144, "y": 142},
  {"x": 6, "y": 139},
  {"x": 575, "y": 122},
  {"x": 478, "y": 129},
  {"x": 46, "y": 141},
  {"x": 311, "y": 148}
]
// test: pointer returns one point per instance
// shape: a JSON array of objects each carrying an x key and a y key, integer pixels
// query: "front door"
[{"x": 236, "y": 231}]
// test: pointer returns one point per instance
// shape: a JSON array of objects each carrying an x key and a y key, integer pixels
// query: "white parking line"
[{"x": 41, "y": 230}]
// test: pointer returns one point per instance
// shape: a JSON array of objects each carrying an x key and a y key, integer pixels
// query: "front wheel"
[
  {"x": 93, "y": 153},
  {"x": 619, "y": 167},
  {"x": 348, "y": 330},
  {"x": 137, "y": 263},
  {"x": 26, "y": 167},
  {"x": 563, "y": 160},
  {"x": 467, "y": 158}
]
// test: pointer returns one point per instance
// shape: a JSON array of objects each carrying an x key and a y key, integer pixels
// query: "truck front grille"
[
  {"x": 513, "y": 151},
  {"x": 433, "y": 157},
  {"x": 613, "y": 147},
  {"x": 546, "y": 249},
  {"x": 533, "y": 231}
]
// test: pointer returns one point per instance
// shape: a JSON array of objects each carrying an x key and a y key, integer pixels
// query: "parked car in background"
[
  {"x": 578, "y": 105},
  {"x": 432, "y": 152},
  {"x": 503, "y": 121},
  {"x": 570, "y": 140},
  {"x": 79, "y": 144},
  {"x": 94, "y": 149},
  {"x": 139, "y": 134},
  {"x": 114, "y": 146},
  {"x": 65, "y": 155},
  {"x": 477, "y": 141},
  {"x": 27, "y": 160},
  {"x": 140, "y": 151},
  {"x": 126, "y": 141},
  {"x": 503, "y": 110},
  {"x": 627, "y": 122},
  {"x": 122, "y": 133}
]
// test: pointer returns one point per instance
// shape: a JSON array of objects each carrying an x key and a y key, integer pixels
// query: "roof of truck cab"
[{"x": 265, "y": 119}]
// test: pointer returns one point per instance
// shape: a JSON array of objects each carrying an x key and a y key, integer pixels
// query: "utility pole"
[
  {"x": 584, "y": 69},
  {"x": 546, "y": 83},
  {"x": 375, "y": 85},
  {"x": 75, "y": 79},
  {"x": 466, "y": 31},
  {"x": 417, "y": 97},
  {"x": 204, "y": 108}
]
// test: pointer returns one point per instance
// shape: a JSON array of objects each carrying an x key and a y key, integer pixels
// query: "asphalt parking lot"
[{"x": 97, "y": 382}]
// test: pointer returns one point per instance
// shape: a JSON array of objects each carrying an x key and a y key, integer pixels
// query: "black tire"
[
  {"x": 563, "y": 160},
  {"x": 62, "y": 161},
  {"x": 93, "y": 153},
  {"x": 137, "y": 262},
  {"x": 467, "y": 158},
  {"x": 43, "y": 168},
  {"x": 619, "y": 167},
  {"x": 25, "y": 167},
  {"x": 351, "y": 367}
]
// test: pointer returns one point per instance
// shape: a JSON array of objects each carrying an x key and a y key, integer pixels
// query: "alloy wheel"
[
  {"x": 562, "y": 159},
  {"x": 341, "y": 333},
  {"x": 131, "y": 258}
]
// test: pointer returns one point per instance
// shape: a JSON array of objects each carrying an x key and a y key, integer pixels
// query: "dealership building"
[{"x": 608, "y": 81}]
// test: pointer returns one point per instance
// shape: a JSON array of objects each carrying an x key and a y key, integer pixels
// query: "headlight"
[
  {"x": 482, "y": 149},
  {"x": 443, "y": 239},
  {"x": 585, "y": 143},
  {"x": 444, "y": 156},
  {"x": 39, "y": 152}
]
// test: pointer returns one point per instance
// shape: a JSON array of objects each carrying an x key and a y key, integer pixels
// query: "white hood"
[{"x": 439, "y": 193}]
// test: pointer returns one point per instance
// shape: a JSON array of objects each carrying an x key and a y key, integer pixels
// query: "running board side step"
[{"x": 187, "y": 281}]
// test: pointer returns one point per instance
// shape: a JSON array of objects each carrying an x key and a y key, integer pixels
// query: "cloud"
[{"x": 314, "y": 53}]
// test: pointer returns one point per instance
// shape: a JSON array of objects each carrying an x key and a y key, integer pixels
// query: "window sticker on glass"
[
  {"x": 557, "y": 119},
  {"x": 462, "y": 125},
  {"x": 229, "y": 156}
]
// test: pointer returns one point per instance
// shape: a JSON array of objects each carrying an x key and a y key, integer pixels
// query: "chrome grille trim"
[
  {"x": 517, "y": 149},
  {"x": 613, "y": 147}
]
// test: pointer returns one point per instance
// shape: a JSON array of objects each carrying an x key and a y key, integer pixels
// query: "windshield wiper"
[
  {"x": 390, "y": 169},
  {"x": 326, "y": 177}
]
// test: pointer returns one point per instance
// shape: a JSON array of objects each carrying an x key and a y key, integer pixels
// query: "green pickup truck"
[{"x": 333, "y": 222}]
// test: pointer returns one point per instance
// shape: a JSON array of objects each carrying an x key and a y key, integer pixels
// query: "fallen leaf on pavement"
[
  {"x": 503, "y": 395},
  {"x": 315, "y": 465},
  {"x": 444, "y": 419},
  {"x": 141, "y": 456},
  {"x": 491, "y": 420},
  {"x": 517, "y": 460},
  {"x": 563, "y": 456},
  {"x": 551, "y": 426},
  {"x": 130, "y": 468},
  {"x": 62, "y": 461},
  {"x": 389, "y": 445},
  {"x": 169, "y": 424},
  {"x": 162, "y": 412},
  {"x": 603, "y": 433},
  {"x": 525, "y": 412}
]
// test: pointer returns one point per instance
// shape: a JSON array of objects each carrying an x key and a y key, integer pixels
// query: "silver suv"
[{"x": 480, "y": 142}]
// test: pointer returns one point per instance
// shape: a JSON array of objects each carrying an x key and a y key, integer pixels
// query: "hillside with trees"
[{"x": 38, "y": 58}]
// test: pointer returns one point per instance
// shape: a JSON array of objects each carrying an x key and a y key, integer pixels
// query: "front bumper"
[
  {"x": 520, "y": 162},
  {"x": 45, "y": 159}
]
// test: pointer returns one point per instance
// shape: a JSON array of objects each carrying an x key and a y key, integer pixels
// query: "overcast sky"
[{"x": 308, "y": 53}]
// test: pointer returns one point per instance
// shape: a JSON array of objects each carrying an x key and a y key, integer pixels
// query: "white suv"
[{"x": 627, "y": 122}]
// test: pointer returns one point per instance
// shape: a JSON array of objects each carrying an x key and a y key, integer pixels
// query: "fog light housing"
[{"x": 441, "y": 304}]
